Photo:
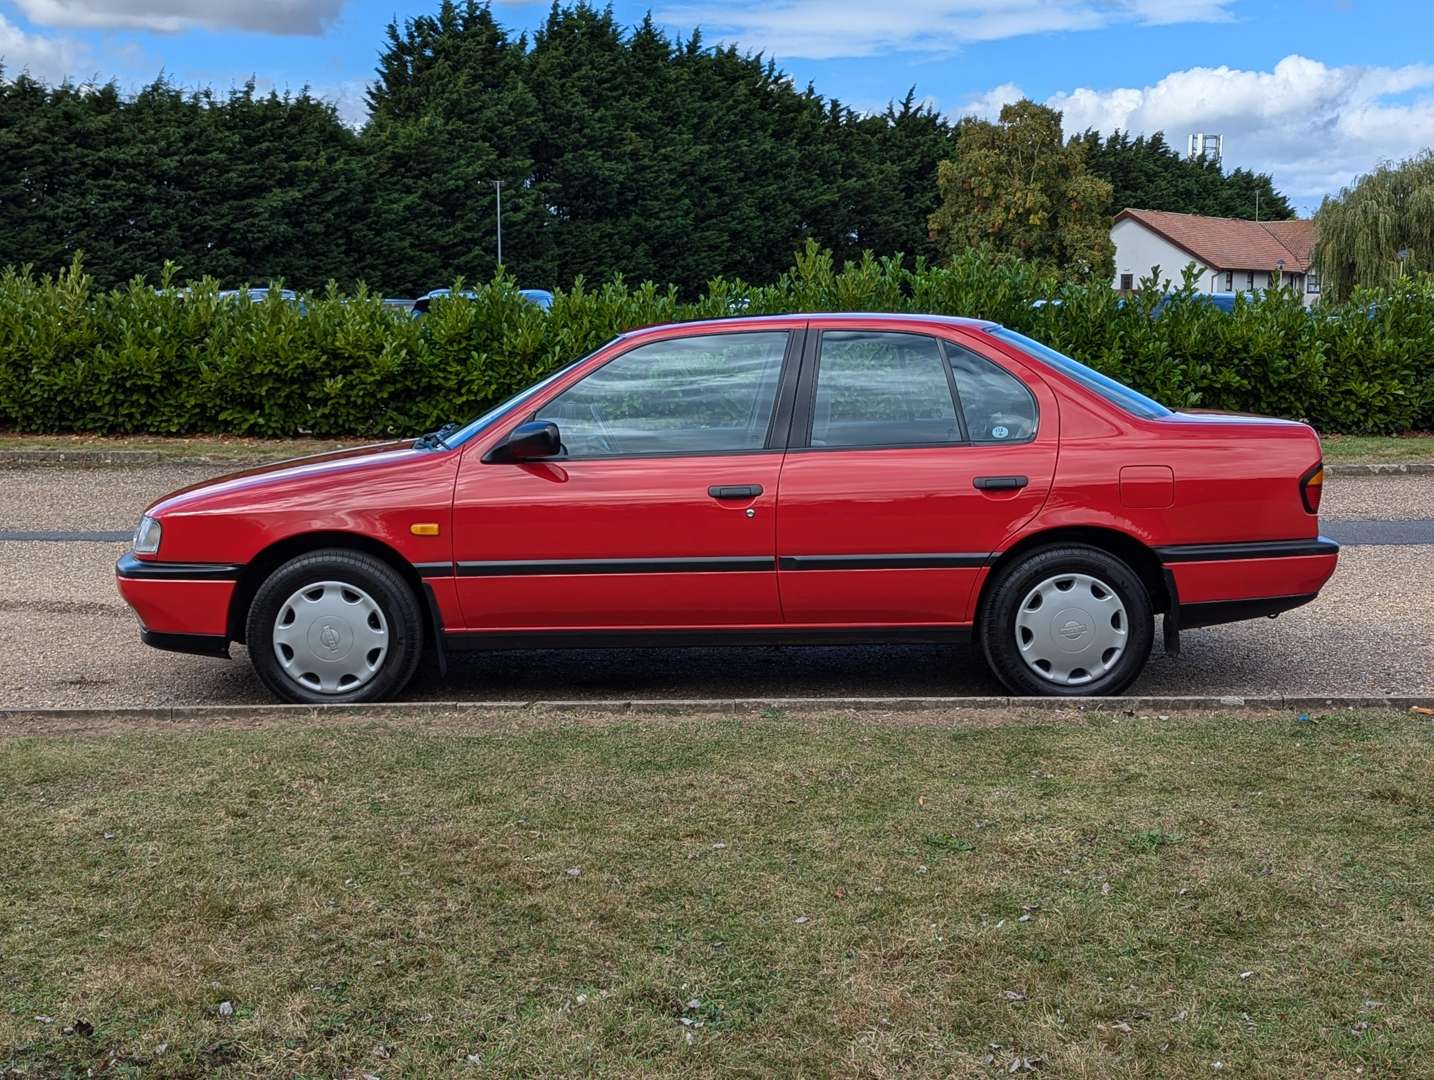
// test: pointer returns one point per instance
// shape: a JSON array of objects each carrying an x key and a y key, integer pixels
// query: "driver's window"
[{"x": 691, "y": 395}]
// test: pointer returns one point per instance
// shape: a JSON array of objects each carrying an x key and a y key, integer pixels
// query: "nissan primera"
[{"x": 791, "y": 479}]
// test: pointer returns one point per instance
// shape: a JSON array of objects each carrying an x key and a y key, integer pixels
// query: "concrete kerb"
[
  {"x": 82, "y": 459},
  {"x": 1383, "y": 468},
  {"x": 180, "y": 714}
]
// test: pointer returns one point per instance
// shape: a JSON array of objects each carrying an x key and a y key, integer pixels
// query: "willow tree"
[{"x": 1378, "y": 229}]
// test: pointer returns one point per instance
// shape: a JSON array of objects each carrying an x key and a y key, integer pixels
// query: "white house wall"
[{"x": 1137, "y": 249}]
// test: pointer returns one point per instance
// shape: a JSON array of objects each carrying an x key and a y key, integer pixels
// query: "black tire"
[
  {"x": 1001, "y": 603},
  {"x": 400, "y": 610}
]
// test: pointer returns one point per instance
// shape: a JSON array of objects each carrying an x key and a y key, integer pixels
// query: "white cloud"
[
  {"x": 48, "y": 58},
  {"x": 1312, "y": 126},
  {"x": 988, "y": 105},
  {"x": 821, "y": 29},
  {"x": 348, "y": 97},
  {"x": 171, "y": 16}
]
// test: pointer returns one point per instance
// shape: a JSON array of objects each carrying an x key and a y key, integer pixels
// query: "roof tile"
[{"x": 1232, "y": 243}]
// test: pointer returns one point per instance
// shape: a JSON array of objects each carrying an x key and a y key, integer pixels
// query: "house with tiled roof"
[{"x": 1232, "y": 255}]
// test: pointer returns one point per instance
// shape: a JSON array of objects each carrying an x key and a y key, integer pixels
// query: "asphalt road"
[{"x": 66, "y": 638}]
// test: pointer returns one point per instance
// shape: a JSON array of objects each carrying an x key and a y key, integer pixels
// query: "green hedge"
[{"x": 74, "y": 358}]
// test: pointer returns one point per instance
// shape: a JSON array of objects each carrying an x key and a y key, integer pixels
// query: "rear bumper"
[
  {"x": 1220, "y": 583},
  {"x": 183, "y": 607}
]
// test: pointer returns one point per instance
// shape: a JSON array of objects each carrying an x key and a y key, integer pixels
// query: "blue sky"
[{"x": 1314, "y": 91}]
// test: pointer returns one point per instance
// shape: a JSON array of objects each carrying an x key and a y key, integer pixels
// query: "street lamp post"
[{"x": 498, "y": 189}]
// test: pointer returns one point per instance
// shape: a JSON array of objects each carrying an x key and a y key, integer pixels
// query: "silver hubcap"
[
  {"x": 331, "y": 637},
  {"x": 1071, "y": 629}
]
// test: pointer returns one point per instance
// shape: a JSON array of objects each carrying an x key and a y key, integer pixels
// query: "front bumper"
[
  {"x": 183, "y": 607},
  {"x": 195, "y": 644}
]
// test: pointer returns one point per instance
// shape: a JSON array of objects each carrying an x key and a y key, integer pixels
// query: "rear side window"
[
  {"x": 882, "y": 389},
  {"x": 997, "y": 406},
  {"x": 693, "y": 395}
]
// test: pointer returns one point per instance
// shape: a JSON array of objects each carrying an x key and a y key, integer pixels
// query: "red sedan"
[{"x": 792, "y": 479}]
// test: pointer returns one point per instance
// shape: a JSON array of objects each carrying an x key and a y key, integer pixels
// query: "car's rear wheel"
[
  {"x": 1067, "y": 621},
  {"x": 334, "y": 626}
]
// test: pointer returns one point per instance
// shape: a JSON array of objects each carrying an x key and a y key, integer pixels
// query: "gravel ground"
[
  {"x": 111, "y": 498},
  {"x": 70, "y": 640},
  {"x": 88, "y": 499},
  {"x": 1388, "y": 497}
]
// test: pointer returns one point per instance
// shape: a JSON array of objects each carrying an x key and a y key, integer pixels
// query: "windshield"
[
  {"x": 1132, "y": 401},
  {"x": 473, "y": 427}
]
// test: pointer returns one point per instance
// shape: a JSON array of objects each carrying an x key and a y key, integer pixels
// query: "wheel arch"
[
  {"x": 281, "y": 551},
  {"x": 1133, "y": 552}
]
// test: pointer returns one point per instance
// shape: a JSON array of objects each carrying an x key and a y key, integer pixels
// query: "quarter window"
[
  {"x": 694, "y": 395},
  {"x": 882, "y": 389},
  {"x": 997, "y": 406}
]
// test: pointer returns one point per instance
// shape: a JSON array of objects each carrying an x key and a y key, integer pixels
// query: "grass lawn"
[
  {"x": 762, "y": 895},
  {"x": 1416, "y": 446},
  {"x": 203, "y": 448},
  {"x": 1373, "y": 449}
]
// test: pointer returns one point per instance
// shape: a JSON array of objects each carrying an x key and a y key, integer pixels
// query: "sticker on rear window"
[{"x": 1000, "y": 431}]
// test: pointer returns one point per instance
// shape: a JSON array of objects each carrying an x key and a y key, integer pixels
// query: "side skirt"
[{"x": 459, "y": 641}]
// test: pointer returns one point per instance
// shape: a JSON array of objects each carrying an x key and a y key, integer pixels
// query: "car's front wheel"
[
  {"x": 334, "y": 626},
  {"x": 1067, "y": 621}
]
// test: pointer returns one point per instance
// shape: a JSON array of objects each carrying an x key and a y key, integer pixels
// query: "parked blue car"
[
  {"x": 541, "y": 297},
  {"x": 1223, "y": 301},
  {"x": 258, "y": 296}
]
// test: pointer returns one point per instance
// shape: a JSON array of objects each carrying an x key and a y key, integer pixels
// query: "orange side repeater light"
[{"x": 424, "y": 528}]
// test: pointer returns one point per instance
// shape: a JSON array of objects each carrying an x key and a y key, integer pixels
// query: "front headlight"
[{"x": 146, "y": 536}]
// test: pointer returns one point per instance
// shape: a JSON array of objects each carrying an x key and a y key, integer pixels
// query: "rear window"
[{"x": 1132, "y": 401}]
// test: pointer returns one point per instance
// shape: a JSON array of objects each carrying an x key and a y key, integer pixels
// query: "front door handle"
[
  {"x": 999, "y": 483},
  {"x": 735, "y": 491}
]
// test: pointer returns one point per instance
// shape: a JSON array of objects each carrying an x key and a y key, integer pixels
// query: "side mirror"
[{"x": 527, "y": 442}]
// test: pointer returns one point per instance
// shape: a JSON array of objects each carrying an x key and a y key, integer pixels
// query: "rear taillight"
[{"x": 1312, "y": 487}]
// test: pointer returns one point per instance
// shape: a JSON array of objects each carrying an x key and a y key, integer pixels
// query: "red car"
[{"x": 794, "y": 479}]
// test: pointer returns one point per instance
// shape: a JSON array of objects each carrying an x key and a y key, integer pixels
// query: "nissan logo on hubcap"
[
  {"x": 1071, "y": 629},
  {"x": 329, "y": 637}
]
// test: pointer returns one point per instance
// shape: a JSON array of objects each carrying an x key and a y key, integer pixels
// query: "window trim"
[
  {"x": 776, "y": 437},
  {"x": 805, "y": 411}
]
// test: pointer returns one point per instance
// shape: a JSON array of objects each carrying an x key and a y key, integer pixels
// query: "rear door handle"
[
  {"x": 999, "y": 483},
  {"x": 735, "y": 491}
]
